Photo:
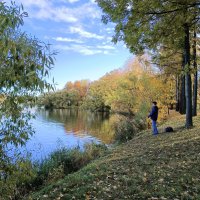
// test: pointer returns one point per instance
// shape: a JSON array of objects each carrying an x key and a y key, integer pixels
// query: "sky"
[{"x": 75, "y": 30}]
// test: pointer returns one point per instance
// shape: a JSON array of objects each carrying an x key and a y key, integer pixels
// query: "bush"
[
  {"x": 27, "y": 176},
  {"x": 16, "y": 183},
  {"x": 65, "y": 161},
  {"x": 126, "y": 128}
]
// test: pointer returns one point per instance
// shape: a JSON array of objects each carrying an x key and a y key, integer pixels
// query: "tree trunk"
[
  {"x": 188, "y": 82},
  {"x": 195, "y": 86},
  {"x": 182, "y": 105},
  {"x": 177, "y": 93}
]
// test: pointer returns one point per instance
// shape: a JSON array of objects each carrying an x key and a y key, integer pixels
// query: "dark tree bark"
[
  {"x": 195, "y": 86},
  {"x": 188, "y": 82},
  {"x": 182, "y": 105},
  {"x": 177, "y": 93}
]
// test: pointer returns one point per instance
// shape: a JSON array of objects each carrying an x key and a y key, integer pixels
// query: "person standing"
[{"x": 154, "y": 116}]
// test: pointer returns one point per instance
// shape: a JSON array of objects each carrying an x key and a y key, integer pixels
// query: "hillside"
[{"x": 161, "y": 167}]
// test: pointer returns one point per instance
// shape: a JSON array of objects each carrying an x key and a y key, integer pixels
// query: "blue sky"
[{"x": 75, "y": 30}]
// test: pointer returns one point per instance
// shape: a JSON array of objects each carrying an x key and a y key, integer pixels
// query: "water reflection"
[
  {"x": 67, "y": 128},
  {"x": 81, "y": 123}
]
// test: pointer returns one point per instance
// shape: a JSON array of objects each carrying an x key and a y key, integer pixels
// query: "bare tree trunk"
[
  {"x": 182, "y": 105},
  {"x": 177, "y": 93},
  {"x": 195, "y": 86},
  {"x": 188, "y": 82}
]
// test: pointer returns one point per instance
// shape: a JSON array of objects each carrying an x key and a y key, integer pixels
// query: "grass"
[{"x": 148, "y": 167}]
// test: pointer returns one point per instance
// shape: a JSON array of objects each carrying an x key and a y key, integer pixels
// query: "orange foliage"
[{"x": 80, "y": 86}]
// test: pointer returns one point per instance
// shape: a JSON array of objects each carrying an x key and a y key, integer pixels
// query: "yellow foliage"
[
  {"x": 138, "y": 86},
  {"x": 2, "y": 98}
]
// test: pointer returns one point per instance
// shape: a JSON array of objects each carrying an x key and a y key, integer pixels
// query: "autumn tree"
[
  {"x": 98, "y": 92},
  {"x": 169, "y": 61},
  {"x": 147, "y": 27},
  {"x": 79, "y": 86}
]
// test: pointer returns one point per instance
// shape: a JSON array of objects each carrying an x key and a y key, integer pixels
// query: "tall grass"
[
  {"x": 65, "y": 161},
  {"x": 126, "y": 128},
  {"x": 30, "y": 176}
]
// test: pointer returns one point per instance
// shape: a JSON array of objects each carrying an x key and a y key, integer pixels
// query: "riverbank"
[{"x": 161, "y": 167}]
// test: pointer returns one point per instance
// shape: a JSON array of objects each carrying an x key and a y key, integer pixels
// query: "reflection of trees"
[{"x": 81, "y": 123}]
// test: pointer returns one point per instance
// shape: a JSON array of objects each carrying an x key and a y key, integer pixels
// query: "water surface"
[{"x": 67, "y": 128}]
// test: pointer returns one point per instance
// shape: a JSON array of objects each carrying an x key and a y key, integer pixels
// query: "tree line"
[{"x": 128, "y": 90}]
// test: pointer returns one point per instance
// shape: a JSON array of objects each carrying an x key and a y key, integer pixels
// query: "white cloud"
[
  {"x": 51, "y": 9},
  {"x": 106, "y": 47},
  {"x": 42, "y": 3},
  {"x": 65, "y": 39},
  {"x": 72, "y": 1},
  {"x": 82, "y": 49},
  {"x": 84, "y": 33},
  {"x": 89, "y": 52},
  {"x": 79, "y": 23},
  {"x": 37, "y": 3},
  {"x": 53, "y": 13},
  {"x": 62, "y": 14},
  {"x": 106, "y": 52}
]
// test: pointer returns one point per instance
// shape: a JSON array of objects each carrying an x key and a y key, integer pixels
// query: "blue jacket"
[{"x": 154, "y": 113}]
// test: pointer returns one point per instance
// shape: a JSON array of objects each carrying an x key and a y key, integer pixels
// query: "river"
[{"x": 67, "y": 128}]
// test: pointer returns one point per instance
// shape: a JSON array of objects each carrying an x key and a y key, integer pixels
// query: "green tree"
[{"x": 24, "y": 65}]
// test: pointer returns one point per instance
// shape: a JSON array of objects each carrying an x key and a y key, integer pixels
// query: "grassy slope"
[{"x": 166, "y": 166}]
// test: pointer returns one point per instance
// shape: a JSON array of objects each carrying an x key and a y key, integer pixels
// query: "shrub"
[
  {"x": 15, "y": 183},
  {"x": 27, "y": 176},
  {"x": 95, "y": 150},
  {"x": 65, "y": 161},
  {"x": 126, "y": 128}
]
